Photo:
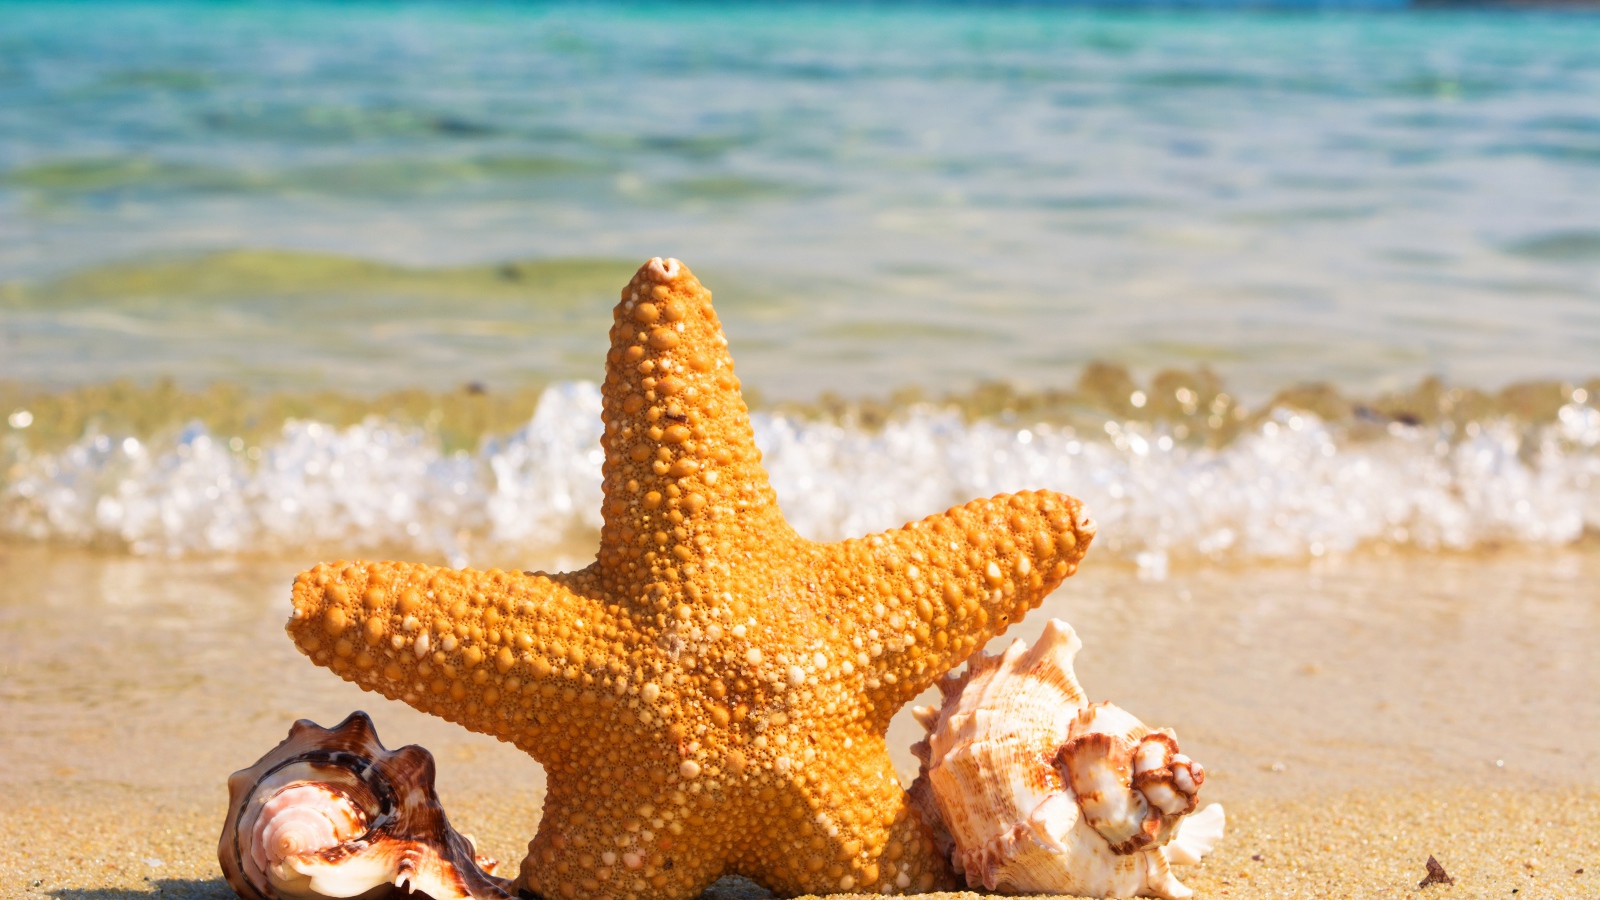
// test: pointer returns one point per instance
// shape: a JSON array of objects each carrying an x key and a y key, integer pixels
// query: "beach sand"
[{"x": 1356, "y": 716}]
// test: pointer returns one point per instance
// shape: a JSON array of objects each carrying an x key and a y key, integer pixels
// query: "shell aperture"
[{"x": 332, "y": 813}]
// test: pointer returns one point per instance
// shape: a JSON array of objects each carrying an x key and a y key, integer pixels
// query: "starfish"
[{"x": 711, "y": 695}]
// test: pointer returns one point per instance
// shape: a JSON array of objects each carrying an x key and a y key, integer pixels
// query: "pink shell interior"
[{"x": 303, "y": 818}]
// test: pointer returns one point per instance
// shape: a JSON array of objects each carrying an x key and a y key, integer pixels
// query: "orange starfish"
[{"x": 710, "y": 696}]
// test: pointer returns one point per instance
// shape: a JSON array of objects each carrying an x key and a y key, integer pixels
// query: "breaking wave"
[{"x": 1293, "y": 486}]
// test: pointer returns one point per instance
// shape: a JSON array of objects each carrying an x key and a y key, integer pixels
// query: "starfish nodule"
[{"x": 711, "y": 695}]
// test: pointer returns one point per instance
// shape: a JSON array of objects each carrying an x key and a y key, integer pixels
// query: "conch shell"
[
  {"x": 1034, "y": 789},
  {"x": 331, "y": 813}
]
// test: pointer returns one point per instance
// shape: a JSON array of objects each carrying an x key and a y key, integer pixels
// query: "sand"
[
  {"x": 106, "y": 843},
  {"x": 1356, "y": 717}
]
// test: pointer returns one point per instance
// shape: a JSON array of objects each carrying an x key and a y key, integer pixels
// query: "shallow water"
[
  {"x": 881, "y": 196},
  {"x": 356, "y": 200}
]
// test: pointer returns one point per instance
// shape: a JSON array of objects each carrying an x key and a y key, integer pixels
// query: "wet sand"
[{"x": 1356, "y": 716}]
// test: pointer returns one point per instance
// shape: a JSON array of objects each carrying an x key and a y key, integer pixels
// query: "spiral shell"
[
  {"x": 1033, "y": 789},
  {"x": 331, "y": 813}
]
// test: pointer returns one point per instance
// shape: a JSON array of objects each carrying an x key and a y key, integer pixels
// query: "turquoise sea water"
[
  {"x": 890, "y": 195},
  {"x": 365, "y": 197}
]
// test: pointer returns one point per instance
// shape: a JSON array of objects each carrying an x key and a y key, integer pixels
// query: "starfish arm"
[
  {"x": 926, "y": 595},
  {"x": 681, "y": 465},
  {"x": 493, "y": 651}
]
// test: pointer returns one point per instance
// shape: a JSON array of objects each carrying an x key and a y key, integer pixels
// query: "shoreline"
[{"x": 1180, "y": 401}]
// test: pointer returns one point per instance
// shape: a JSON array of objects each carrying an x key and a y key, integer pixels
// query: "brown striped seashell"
[
  {"x": 331, "y": 813},
  {"x": 1033, "y": 789}
]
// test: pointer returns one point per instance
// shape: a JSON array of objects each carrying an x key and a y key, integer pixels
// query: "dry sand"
[{"x": 1356, "y": 716}]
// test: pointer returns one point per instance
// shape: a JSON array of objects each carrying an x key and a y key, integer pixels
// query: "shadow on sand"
[
  {"x": 175, "y": 888},
  {"x": 728, "y": 888}
]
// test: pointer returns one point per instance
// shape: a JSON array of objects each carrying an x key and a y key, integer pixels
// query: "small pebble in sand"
[{"x": 1436, "y": 874}]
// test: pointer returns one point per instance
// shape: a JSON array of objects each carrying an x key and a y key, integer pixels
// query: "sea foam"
[{"x": 1293, "y": 487}]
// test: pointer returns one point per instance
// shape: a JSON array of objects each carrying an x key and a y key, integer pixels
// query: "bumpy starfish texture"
[{"x": 710, "y": 696}]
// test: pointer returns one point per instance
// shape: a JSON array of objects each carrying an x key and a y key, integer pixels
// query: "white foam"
[{"x": 1294, "y": 488}]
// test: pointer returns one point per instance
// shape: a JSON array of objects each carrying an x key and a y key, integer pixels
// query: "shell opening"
[{"x": 304, "y": 818}]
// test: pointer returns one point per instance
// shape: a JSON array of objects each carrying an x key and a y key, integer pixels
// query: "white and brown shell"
[
  {"x": 331, "y": 813},
  {"x": 1034, "y": 789}
]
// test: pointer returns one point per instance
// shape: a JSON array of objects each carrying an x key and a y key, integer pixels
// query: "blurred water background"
[{"x": 1256, "y": 284}]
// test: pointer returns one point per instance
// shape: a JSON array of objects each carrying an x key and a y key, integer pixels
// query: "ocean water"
[{"x": 356, "y": 199}]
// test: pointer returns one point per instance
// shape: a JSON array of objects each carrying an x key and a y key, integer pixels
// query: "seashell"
[
  {"x": 331, "y": 813},
  {"x": 1033, "y": 789}
]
